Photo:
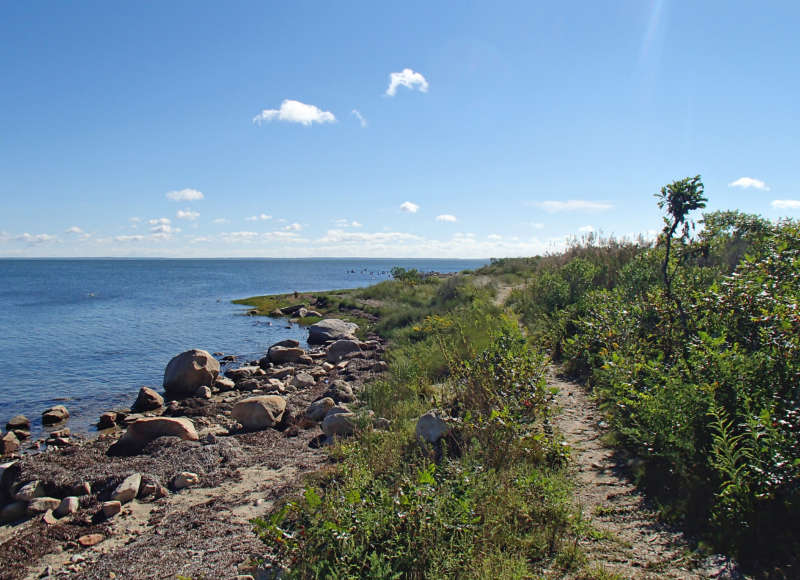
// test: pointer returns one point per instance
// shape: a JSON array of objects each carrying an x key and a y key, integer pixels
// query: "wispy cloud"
[
  {"x": 345, "y": 223},
  {"x": 409, "y": 207},
  {"x": 259, "y": 217},
  {"x": 187, "y": 214},
  {"x": 134, "y": 238},
  {"x": 35, "y": 239},
  {"x": 586, "y": 229},
  {"x": 220, "y": 220},
  {"x": 295, "y": 112},
  {"x": 786, "y": 203},
  {"x": 573, "y": 205},
  {"x": 357, "y": 114},
  {"x": 159, "y": 221},
  {"x": 406, "y": 78},
  {"x": 294, "y": 227},
  {"x": 78, "y": 232},
  {"x": 184, "y": 195},
  {"x": 494, "y": 237},
  {"x": 446, "y": 217},
  {"x": 341, "y": 236},
  {"x": 748, "y": 182}
]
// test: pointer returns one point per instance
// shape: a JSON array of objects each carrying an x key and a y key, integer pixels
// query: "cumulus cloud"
[
  {"x": 409, "y": 207},
  {"x": 295, "y": 227},
  {"x": 295, "y": 112},
  {"x": 184, "y": 195},
  {"x": 78, "y": 232},
  {"x": 255, "y": 218},
  {"x": 187, "y": 214},
  {"x": 786, "y": 203},
  {"x": 159, "y": 221},
  {"x": 406, "y": 78},
  {"x": 35, "y": 239},
  {"x": 748, "y": 182},
  {"x": 357, "y": 114},
  {"x": 573, "y": 205},
  {"x": 446, "y": 217}
]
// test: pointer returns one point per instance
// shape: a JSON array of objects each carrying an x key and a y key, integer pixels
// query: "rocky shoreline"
[{"x": 170, "y": 486}]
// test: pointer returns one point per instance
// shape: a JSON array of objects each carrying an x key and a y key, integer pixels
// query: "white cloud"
[
  {"x": 255, "y": 218},
  {"x": 136, "y": 238},
  {"x": 340, "y": 236},
  {"x": 586, "y": 229},
  {"x": 184, "y": 195},
  {"x": 164, "y": 229},
  {"x": 573, "y": 205},
  {"x": 409, "y": 207},
  {"x": 187, "y": 214},
  {"x": 357, "y": 114},
  {"x": 220, "y": 221},
  {"x": 786, "y": 203},
  {"x": 494, "y": 237},
  {"x": 446, "y": 217},
  {"x": 34, "y": 239},
  {"x": 76, "y": 231},
  {"x": 159, "y": 221},
  {"x": 135, "y": 220},
  {"x": 537, "y": 225},
  {"x": 345, "y": 223},
  {"x": 748, "y": 182},
  {"x": 295, "y": 227},
  {"x": 407, "y": 78},
  {"x": 295, "y": 112}
]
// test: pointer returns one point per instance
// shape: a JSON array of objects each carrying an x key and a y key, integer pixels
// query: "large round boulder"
[
  {"x": 257, "y": 413},
  {"x": 331, "y": 329},
  {"x": 188, "y": 371}
]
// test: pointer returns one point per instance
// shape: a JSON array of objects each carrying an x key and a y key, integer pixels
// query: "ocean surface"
[{"x": 88, "y": 333}]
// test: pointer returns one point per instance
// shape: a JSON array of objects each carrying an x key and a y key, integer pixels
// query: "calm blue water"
[{"x": 89, "y": 333}]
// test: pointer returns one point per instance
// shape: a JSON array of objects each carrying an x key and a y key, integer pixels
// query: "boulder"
[
  {"x": 30, "y": 491},
  {"x": 339, "y": 424},
  {"x": 303, "y": 380},
  {"x": 256, "y": 413},
  {"x": 69, "y": 505},
  {"x": 318, "y": 409},
  {"x": 281, "y": 373},
  {"x": 431, "y": 427},
  {"x": 340, "y": 348},
  {"x": 55, "y": 415},
  {"x": 338, "y": 409},
  {"x": 241, "y": 373},
  {"x": 14, "y": 511},
  {"x": 146, "y": 429},
  {"x": 330, "y": 329},
  {"x": 189, "y": 370},
  {"x": 340, "y": 392},
  {"x": 185, "y": 479},
  {"x": 284, "y": 354},
  {"x": 313, "y": 313},
  {"x": 111, "y": 508},
  {"x": 148, "y": 400},
  {"x": 128, "y": 489},
  {"x": 20, "y": 422},
  {"x": 9, "y": 443},
  {"x": 289, "y": 310},
  {"x": 21, "y": 435},
  {"x": 107, "y": 420}
]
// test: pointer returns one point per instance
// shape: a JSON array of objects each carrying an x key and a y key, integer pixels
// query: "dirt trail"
[{"x": 630, "y": 542}]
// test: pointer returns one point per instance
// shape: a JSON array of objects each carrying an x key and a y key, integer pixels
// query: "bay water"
[{"x": 87, "y": 333}]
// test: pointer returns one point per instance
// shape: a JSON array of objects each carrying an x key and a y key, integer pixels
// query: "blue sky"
[{"x": 228, "y": 129}]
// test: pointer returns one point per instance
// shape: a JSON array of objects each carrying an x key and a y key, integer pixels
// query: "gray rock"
[
  {"x": 256, "y": 413},
  {"x": 18, "y": 422},
  {"x": 111, "y": 508},
  {"x": 203, "y": 392},
  {"x": 382, "y": 424},
  {"x": 287, "y": 343},
  {"x": 146, "y": 429},
  {"x": 148, "y": 400},
  {"x": 185, "y": 479},
  {"x": 283, "y": 354},
  {"x": 431, "y": 427},
  {"x": 128, "y": 489},
  {"x": 69, "y": 505},
  {"x": 338, "y": 409},
  {"x": 189, "y": 370},
  {"x": 339, "y": 424},
  {"x": 42, "y": 504},
  {"x": 303, "y": 380},
  {"x": 14, "y": 511},
  {"x": 241, "y": 373},
  {"x": 55, "y": 415},
  {"x": 289, "y": 310},
  {"x": 340, "y": 348},
  {"x": 318, "y": 409},
  {"x": 9, "y": 443},
  {"x": 340, "y": 392},
  {"x": 330, "y": 329},
  {"x": 313, "y": 313},
  {"x": 224, "y": 384},
  {"x": 30, "y": 491}
]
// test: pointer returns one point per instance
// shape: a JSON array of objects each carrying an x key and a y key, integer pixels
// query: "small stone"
[
  {"x": 382, "y": 424},
  {"x": 318, "y": 409},
  {"x": 261, "y": 412},
  {"x": 203, "y": 392},
  {"x": 90, "y": 540},
  {"x": 431, "y": 427},
  {"x": 107, "y": 420},
  {"x": 49, "y": 518},
  {"x": 111, "y": 508},
  {"x": 30, "y": 491},
  {"x": 55, "y": 415},
  {"x": 185, "y": 479},
  {"x": 69, "y": 505},
  {"x": 19, "y": 422},
  {"x": 47, "y": 572},
  {"x": 83, "y": 488},
  {"x": 303, "y": 380},
  {"x": 9, "y": 443},
  {"x": 128, "y": 489},
  {"x": 224, "y": 384},
  {"x": 42, "y": 504},
  {"x": 339, "y": 424},
  {"x": 148, "y": 400}
]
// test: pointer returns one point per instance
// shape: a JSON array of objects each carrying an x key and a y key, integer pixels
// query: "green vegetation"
[{"x": 691, "y": 345}]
